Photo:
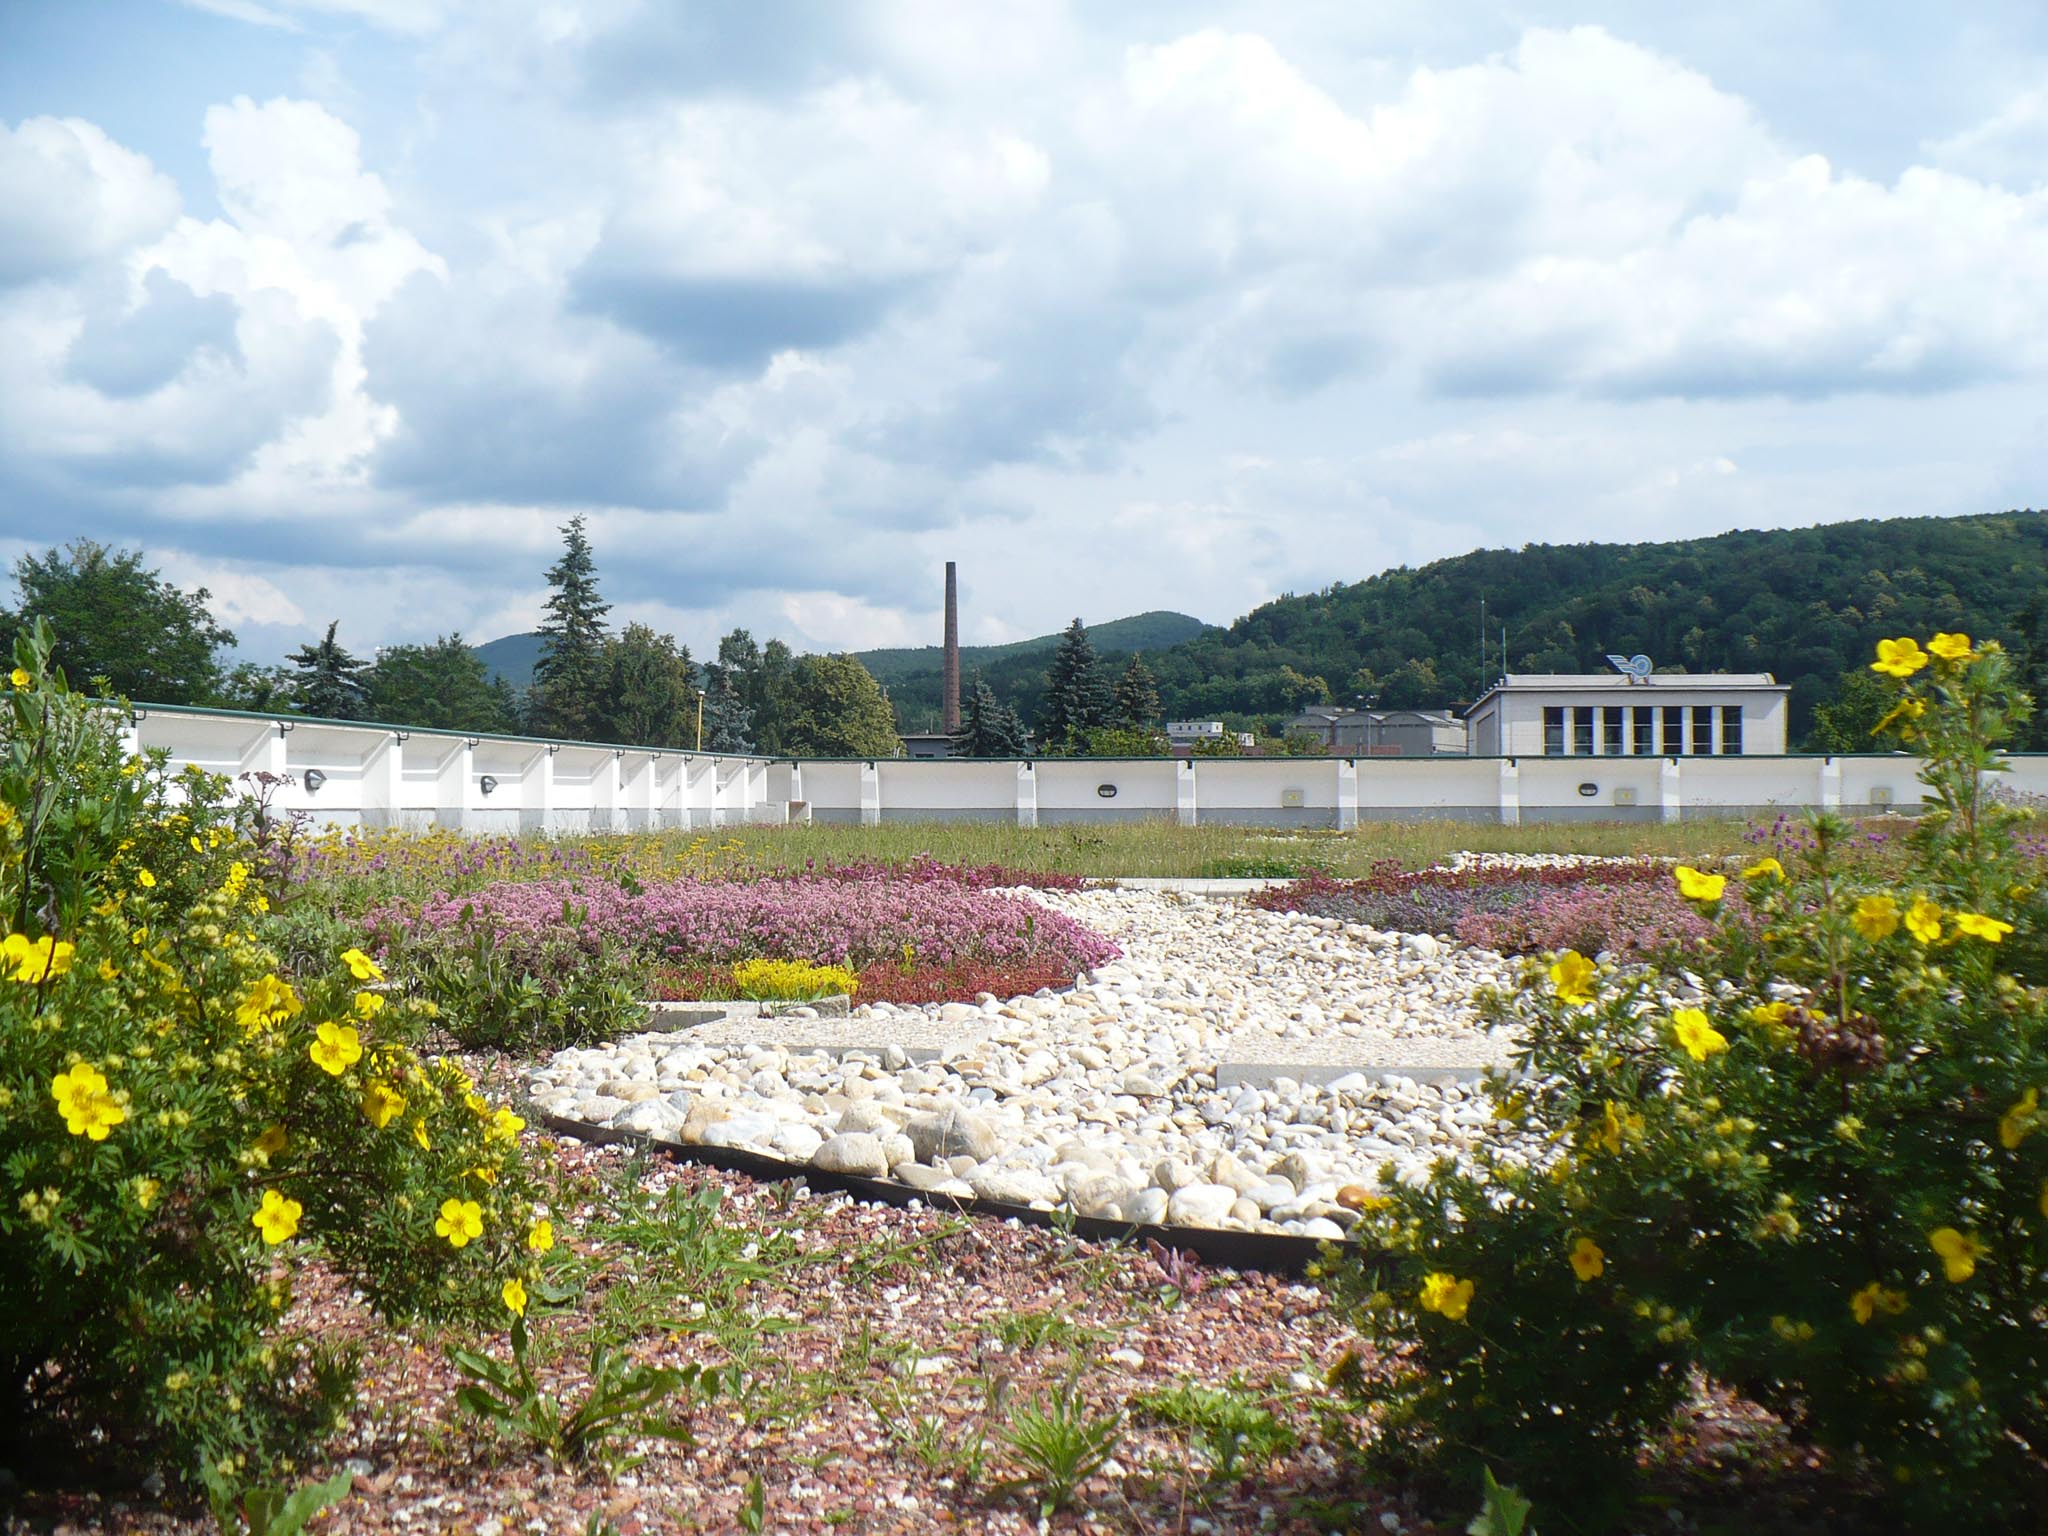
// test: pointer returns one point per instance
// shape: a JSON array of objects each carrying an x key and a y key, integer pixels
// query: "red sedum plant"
[
  {"x": 183, "y": 1128},
  {"x": 1822, "y": 1182}
]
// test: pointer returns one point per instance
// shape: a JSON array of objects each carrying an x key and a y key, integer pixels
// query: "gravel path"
[{"x": 1232, "y": 1070}]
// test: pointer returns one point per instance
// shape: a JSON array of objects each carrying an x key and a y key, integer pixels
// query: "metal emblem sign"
[{"x": 1635, "y": 668}]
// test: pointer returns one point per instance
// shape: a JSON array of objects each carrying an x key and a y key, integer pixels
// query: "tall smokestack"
[{"x": 952, "y": 684}]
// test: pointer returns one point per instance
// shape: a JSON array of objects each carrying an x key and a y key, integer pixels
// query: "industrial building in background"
[{"x": 1380, "y": 732}]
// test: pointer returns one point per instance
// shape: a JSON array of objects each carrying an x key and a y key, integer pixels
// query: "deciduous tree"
[
  {"x": 116, "y": 619},
  {"x": 443, "y": 686},
  {"x": 838, "y": 711}
]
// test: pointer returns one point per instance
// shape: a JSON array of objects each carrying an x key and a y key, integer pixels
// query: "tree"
[
  {"x": 1077, "y": 696},
  {"x": 1137, "y": 696},
  {"x": 649, "y": 695},
  {"x": 1845, "y": 723},
  {"x": 725, "y": 714},
  {"x": 838, "y": 711},
  {"x": 989, "y": 727},
  {"x": 1126, "y": 741},
  {"x": 761, "y": 676},
  {"x": 329, "y": 684},
  {"x": 567, "y": 676},
  {"x": 2030, "y": 662},
  {"x": 257, "y": 688},
  {"x": 114, "y": 619},
  {"x": 443, "y": 686},
  {"x": 1412, "y": 685}
]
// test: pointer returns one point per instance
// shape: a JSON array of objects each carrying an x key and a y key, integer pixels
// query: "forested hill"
[
  {"x": 1016, "y": 671},
  {"x": 1807, "y": 604}
]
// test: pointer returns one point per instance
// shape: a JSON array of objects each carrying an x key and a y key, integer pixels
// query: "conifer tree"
[
  {"x": 330, "y": 681},
  {"x": 725, "y": 713},
  {"x": 989, "y": 727},
  {"x": 1078, "y": 697},
  {"x": 568, "y": 676},
  {"x": 1137, "y": 696}
]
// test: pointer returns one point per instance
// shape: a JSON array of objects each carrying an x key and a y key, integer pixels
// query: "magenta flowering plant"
[{"x": 818, "y": 918}]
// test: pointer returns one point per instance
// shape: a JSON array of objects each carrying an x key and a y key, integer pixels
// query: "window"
[
  {"x": 1553, "y": 733},
  {"x": 1610, "y": 731},
  {"x": 1731, "y": 730},
  {"x": 1582, "y": 731},
  {"x": 1702, "y": 730},
  {"x": 1674, "y": 730},
  {"x": 1645, "y": 731}
]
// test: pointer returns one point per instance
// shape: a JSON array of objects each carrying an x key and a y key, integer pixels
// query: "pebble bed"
[{"x": 1103, "y": 1100}]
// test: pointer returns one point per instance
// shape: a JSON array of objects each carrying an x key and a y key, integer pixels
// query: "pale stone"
[
  {"x": 854, "y": 1152},
  {"x": 952, "y": 1132},
  {"x": 1200, "y": 1205}
]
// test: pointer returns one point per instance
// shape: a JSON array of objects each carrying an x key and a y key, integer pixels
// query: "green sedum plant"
[
  {"x": 183, "y": 1129},
  {"x": 1823, "y": 1182}
]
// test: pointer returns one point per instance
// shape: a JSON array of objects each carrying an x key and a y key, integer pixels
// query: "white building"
[{"x": 1609, "y": 714}]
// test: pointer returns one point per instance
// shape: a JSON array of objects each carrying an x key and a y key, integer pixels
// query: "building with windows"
[
  {"x": 1602, "y": 714},
  {"x": 1380, "y": 732}
]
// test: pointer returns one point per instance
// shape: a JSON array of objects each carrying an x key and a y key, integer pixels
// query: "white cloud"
[
  {"x": 69, "y": 196},
  {"x": 2010, "y": 147}
]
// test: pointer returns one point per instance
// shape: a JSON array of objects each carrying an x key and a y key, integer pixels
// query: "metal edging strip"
[{"x": 1266, "y": 1252}]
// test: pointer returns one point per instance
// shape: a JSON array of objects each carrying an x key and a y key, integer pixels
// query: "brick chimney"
[{"x": 951, "y": 705}]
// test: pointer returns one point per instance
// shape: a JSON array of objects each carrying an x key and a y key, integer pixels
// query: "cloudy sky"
[{"x": 341, "y": 307}]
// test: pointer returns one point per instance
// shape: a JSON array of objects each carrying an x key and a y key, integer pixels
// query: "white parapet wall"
[{"x": 350, "y": 774}]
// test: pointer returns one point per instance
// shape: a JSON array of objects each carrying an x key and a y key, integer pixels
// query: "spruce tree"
[
  {"x": 1137, "y": 696},
  {"x": 330, "y": 681},
  {"x": 725, "y": 713},
  {"x": 1078, "y": 697},
  {"x": 989, "y": 727},
  {"x": 569, "y": 675}
]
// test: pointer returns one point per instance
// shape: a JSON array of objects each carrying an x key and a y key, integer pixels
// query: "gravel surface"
[{"x": 1103, "y": 1099}]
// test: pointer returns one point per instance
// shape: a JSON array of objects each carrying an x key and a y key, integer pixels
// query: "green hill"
[
  {"x": 1016, "y": 671},
  {"x": 913, "y": 674},
  {"x": 511, "y": 657},
  {"x": 1807, "y": 604}
]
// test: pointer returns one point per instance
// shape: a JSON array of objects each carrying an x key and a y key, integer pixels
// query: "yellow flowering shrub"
[
  {"x": 1821, "y": 1178},
  {"x": 184, "y": 1126}
]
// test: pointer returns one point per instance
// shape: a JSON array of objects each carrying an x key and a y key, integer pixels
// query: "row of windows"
[{"x": 1613, "y": 730}]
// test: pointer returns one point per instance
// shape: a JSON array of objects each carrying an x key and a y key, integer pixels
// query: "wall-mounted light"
[
  {"x": 486, "y": 784},
  {"x": 1107, "y": 791},
  {"x": 314, "y": 778}
]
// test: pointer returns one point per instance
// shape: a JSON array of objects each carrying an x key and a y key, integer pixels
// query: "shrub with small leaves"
[
  {"x": 182, "y": 1126},
  {"x": 1823, "y": 1182}
]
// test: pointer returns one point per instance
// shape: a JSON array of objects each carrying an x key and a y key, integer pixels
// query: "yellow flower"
[
  {"x": 36, "y": 961},
  {"x": 1950, "y": 647},
  {"x": 1573, "y": 974},
  {"x": 369, "y": 1004},
  {"x": 505, "y": 1126},
  {"x": 1899, "y": 658},
  {"x": 515, "y": 1296},
  {"x": 1446, "y": 1294},
  {"x": 361, "y": 966},
  {"x": 1873, "y": 1299},
  {"x": 1764, "y": 866},
  {"x": 1876, "y": 917},
  {"x": 1616, "y": 1123},
  {"x": 1695, "y": 886},
  {"x": 146, "y": 1191},
  {"x": 1923, "y": 920},
  {"x": 277, "y": 1218},
  {"x": 2044, "y": 1197},
  {"x": 1587, "y": 1260},
  {"x": 542, "y": 1237},
  {"x": 337, "y": 1049},
  {"x": 83, "y": 1099},
  {"x": 268, "y": 1001},
  {"x": 19, "y": 678},
  {"x": 197, "y": 847},
  {"x": 460, "y": 1221},
  {"x": 271, "y": 1142},
  {"x": 1958, "y": 1251},
  {"x": 382, "y": 1104},
  {"x": 1699, "y": 1037},
  {"x": 1977, "y": 926},
  {"x": 2019, "y": 1122},
  {"x": 145, "y": 879},
  {"x": 419, "y": 1134}
]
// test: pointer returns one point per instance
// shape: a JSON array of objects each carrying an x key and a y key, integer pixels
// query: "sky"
[{"x": 341, "y": 308}]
